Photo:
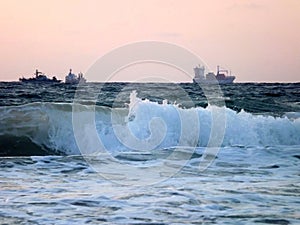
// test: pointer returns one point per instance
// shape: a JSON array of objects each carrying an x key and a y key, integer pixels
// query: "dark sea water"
[{"x": 152, "y": 153}]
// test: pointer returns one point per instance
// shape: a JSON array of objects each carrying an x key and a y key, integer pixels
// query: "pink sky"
[{"x": 259, "y": 40}]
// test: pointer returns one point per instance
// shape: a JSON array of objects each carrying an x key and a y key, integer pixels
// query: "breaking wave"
[{"x": 46, "y": 128}]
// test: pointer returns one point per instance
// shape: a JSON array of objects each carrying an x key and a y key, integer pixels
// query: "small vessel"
[
  {"x": 222, "y": 76},
  {"x": 40, "y": 78},
  {"x": 71, "y": 78}
]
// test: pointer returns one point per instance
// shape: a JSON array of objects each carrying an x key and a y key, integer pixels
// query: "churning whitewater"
[
  {"x": 151, "y": 153},
  {"x": 47, "y": 126}
]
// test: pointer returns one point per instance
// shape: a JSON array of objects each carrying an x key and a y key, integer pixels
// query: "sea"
[{"x": 149, "y": 153}]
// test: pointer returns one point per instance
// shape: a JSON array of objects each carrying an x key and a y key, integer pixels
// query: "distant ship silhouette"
[
  {"x": 222, "y": 76},
  {"x": 40, "y": 77}
]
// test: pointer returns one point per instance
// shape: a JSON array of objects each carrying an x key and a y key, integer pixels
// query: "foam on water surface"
[{"x": 143, "y": 124}]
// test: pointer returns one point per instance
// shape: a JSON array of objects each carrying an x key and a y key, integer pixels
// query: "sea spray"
[{"x": 49, "y": 125}]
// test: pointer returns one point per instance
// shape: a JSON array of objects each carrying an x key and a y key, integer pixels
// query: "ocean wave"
[{"x": 47, "y": 128}]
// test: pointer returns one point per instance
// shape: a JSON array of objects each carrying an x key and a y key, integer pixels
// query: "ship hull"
[
  {"x": 228, "y": 80},
  {"x": 38, "y": 81}
]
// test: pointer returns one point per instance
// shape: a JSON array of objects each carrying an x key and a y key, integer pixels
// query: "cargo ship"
[{"x": 221, "y": 77}]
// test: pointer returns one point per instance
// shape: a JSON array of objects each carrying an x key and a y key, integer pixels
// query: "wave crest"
[{"x": 46, "y": 128}]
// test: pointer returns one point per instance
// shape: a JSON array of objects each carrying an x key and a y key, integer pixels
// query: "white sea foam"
[{"x": 151, "y": 126}]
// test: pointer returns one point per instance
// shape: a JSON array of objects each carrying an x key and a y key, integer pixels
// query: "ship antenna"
[{"x": 37, "y": 72}]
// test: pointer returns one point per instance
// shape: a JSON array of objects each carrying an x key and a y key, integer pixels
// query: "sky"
[{"x": 258, "y": 40}]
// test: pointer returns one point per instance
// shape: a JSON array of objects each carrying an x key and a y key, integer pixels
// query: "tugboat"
[
  {"x": 71, "y": 78},
  {"x": 40, "y": 78},
  {"x": 222, "y": 76}
]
